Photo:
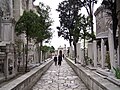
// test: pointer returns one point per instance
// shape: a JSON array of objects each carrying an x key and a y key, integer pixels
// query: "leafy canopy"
[
  {"x": 68, "y": 10},
  {"x": 44, "y": 23},
  {"x": 47, "y": 49},
  {"x": 26, "y": 23}
]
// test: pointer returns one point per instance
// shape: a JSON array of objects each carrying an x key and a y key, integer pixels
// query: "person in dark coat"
[
  {"x": 55, "y": 59},
  {"x": 60, "y": 58}
]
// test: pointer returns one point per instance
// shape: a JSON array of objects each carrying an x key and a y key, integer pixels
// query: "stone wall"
[
  {"x": 26, "y": 81},
  {"x": 92, "y": 80},
  {"x": 118, "y": 16}
]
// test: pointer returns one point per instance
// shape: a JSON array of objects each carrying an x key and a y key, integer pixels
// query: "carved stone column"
[
  {"x": 95, "y": 53},
  {"x": 111, "y": 49},
  {"x": 79, "y": 52}
]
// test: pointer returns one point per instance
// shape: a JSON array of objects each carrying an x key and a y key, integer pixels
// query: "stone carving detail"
[{"x": 5, "y": 7}]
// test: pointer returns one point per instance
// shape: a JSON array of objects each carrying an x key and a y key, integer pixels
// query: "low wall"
[
  {"x": 91, "y": 79},
  {"x": 26, "y": 81}
]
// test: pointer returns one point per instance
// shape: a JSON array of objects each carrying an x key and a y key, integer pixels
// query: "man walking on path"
[
  {"x": 60, "y": 78},
  {"x": 55, "y": 59},
  {"x": 60, "y": 58}
]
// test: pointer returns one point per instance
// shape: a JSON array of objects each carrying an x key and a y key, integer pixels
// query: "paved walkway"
[{"x": 60, "y": 78}]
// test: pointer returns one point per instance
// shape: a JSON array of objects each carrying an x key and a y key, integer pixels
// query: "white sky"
[{"x": 58, "y": 41}]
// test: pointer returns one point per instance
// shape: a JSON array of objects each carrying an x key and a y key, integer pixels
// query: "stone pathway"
[{"x": 60, "y": 78}]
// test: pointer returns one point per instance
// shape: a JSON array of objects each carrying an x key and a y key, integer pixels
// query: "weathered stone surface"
[
  {"x": 60, "y": 78},
  {"x": 91, "y": 79}
]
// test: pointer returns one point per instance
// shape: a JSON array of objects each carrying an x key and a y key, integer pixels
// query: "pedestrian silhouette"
[
  {"x": 55, "y": 59},
  {"x": 60, "y": 58}
]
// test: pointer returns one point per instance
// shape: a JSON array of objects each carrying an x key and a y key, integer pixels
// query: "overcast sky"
[{"x": 57, "y": 41}]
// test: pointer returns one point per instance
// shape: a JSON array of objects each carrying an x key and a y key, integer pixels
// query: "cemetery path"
[{"x": 60, "y": 78}]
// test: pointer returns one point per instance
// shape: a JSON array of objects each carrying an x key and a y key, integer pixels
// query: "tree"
[
  {"x": 52, "y": 49},
  {"x": 44, "y": 23},
  {"x": 25, "y": 25},
  {"x": 18, "y": 51},
  {"x": 47, "y": 49},
  {"x": 85, "y": 31},
  {"x": 89, "y": 6},
  {"x": 72, "y": 22},
  {"x": 68, "y": 11},
  {"x": 43, "y": 26},
  {"x": 81, "y": 31},
  {"x": 111, "y": 6}
]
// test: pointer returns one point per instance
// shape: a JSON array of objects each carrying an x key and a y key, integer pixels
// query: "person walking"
[
  {"x": 60, "y": 58},
  {"x": 55, "y": 59}
]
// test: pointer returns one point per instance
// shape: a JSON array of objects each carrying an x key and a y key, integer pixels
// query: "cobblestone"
[{"x": 60, "y": 78}]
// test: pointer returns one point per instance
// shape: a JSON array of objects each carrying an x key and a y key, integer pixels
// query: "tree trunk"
[
  {"x": 91, "y": 19},
  {"x": 23, "y": 57},
  {"x": 84, "y": 51},
  {"x": 75, "y": 49},
  {"x": 26, "y": 54},
  {"x": 115, "y": 23},
  {"x": 70, "y": 43},
  {"x": 40, "y": 50},
  {"x": 84, "y": 47},
  {"x": 70, "y": 40},
  {"x": 91, "y": 24}
]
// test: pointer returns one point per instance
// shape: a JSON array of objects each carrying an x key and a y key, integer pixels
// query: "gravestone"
[
  {"x": 99, "y": 56},
  {"x": 78, "y": 52},
  {"x": 95, "y": 53},
  {"x": 102, "y": 53},
  {"x": 90, "y": 50},
  {"x": 111, "y": 49}
]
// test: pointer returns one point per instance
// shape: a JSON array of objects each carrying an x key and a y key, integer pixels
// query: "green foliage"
[
  {"x": 88, "y": 60},
  {"x": 26, "y": 23},
  {"x": 70, "y": 20},
  {"x": 43, "y": 26},
  {"x": 34, "y": 26},
  {"x": 89, "y": 6},
  {"x": 84, "y": 25},
  {"x": 73, "y": 24},
  {"x": 85, "y": 30},
  {"x": 117, "y": 72},
  {"x": 52, "y": 49},
  {"x": 45, "y": 49},
  {"x": 68, "y": 10},
  {"x": 18, "y": 44}
]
